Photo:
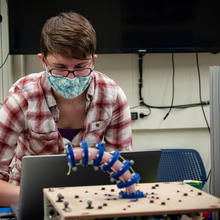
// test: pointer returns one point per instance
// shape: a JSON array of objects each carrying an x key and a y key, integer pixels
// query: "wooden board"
[{"x": 161, "y": 198}]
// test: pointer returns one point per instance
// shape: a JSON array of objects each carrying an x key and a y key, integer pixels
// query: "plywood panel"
[{"x": 161, "y": 198}]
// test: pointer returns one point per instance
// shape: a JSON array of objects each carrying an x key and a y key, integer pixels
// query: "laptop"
[{"x": 46, "y": 171}]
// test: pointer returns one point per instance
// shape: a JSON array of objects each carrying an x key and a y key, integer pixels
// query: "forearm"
[{"x": 9, "y": 193}]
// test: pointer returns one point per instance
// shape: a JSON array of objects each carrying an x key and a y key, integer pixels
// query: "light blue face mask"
[{"x": 68, "y": 88}]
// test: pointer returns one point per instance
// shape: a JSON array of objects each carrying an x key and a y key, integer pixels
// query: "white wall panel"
[{"x": 6, "y": 73}]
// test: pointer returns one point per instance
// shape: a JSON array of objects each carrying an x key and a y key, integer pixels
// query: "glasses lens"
[
  {"x": 83, "y": 72},
  {"x": 59, "y": 72}
]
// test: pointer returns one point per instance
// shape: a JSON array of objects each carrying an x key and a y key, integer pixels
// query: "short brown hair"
[{"x": 68, "y": 34}]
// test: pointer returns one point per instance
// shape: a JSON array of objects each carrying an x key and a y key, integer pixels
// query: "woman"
[{"x": 68, "y": 102}]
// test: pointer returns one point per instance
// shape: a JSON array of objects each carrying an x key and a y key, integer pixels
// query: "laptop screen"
[{"x": 45, "y": 171}]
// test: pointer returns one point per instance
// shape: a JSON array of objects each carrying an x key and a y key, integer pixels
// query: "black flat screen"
[{"x": 124, "y": 26}]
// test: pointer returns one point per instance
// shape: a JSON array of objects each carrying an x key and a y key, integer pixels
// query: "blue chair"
[
  {"x": 179, "y": 165},
  {"x": 5, "y": 209}
]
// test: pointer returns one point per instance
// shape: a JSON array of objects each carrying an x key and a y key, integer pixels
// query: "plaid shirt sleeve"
[
  {"x": 119, "y": 133},
  {"x": 11, "y": 125}
]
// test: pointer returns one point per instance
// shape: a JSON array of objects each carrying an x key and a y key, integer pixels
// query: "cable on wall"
[
  {"x": 171, "y": 106},
  {"x": 200, "y": 97},
  {"x": 4, "y": 61},
  {"x": 1, "y": 66},
  {"x": 200, "y": 91},
  {"x": 141, "y": 99}
]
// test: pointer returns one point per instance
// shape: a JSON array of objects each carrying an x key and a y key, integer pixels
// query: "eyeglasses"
[{"x": 79, "y": 72}]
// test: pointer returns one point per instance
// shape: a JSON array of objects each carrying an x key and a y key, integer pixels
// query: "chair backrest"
[{"x": 179, "y": 165}]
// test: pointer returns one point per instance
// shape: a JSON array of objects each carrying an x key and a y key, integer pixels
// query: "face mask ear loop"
[
  {"x": 45, "y": 63},
  {"x": 93, "y": 62}
]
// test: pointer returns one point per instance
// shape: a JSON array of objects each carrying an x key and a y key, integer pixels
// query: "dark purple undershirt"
[{"x": 69, "y": 133}]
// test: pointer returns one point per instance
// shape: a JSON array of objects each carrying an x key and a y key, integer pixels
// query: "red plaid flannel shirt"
[{"x": 28, "y": 121}]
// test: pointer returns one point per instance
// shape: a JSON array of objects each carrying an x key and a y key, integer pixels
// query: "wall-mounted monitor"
[{"x": 124, "y": 26}]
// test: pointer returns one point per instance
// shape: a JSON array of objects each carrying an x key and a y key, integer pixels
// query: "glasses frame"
[{"x": 68, "y": 71}]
